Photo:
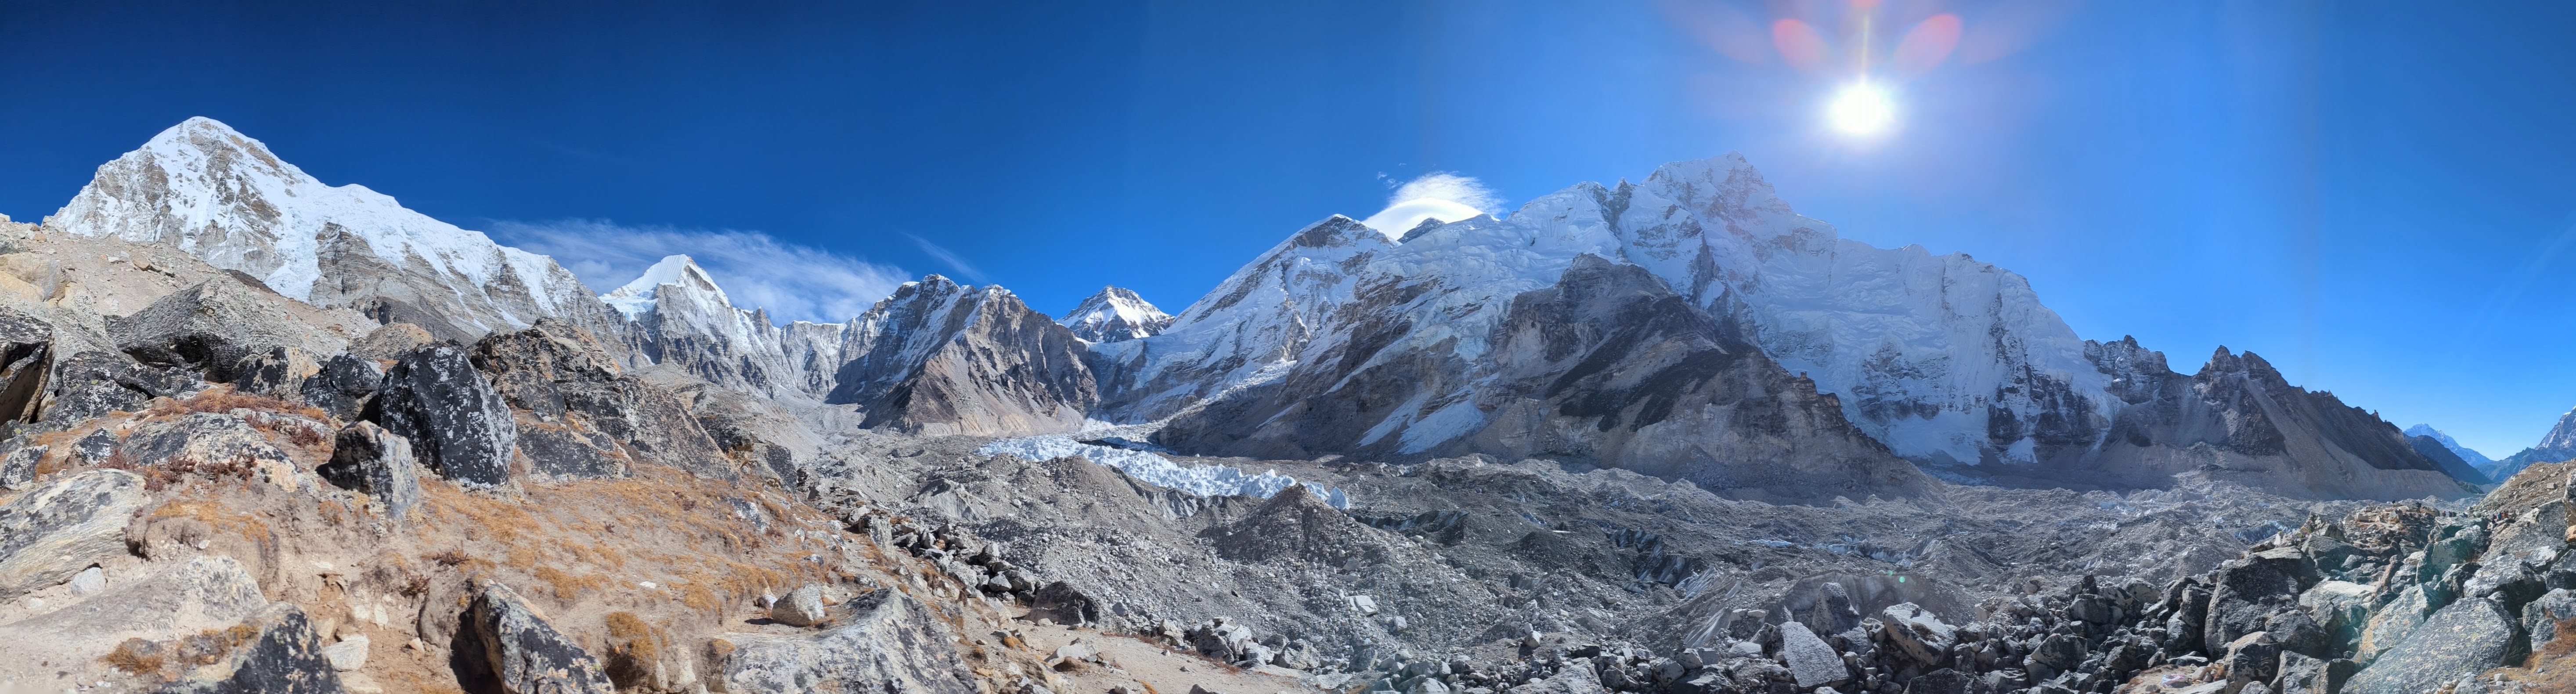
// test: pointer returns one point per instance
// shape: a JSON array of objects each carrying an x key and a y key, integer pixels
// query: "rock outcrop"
[
  {"x": 890, "y": 645},
  {"x": 942, "y": 358},
  {"x": 458, "y": 424},
  {"x": 523, "y": 653},
  {"x": 53, "y": 532},
  {"x": 369, "y": 460}
]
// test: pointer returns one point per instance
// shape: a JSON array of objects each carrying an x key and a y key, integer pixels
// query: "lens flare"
[{"x": 1862, "y": 109}]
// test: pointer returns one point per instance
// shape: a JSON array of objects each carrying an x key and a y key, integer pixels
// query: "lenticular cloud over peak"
[{"x": 1440, "y": 195}]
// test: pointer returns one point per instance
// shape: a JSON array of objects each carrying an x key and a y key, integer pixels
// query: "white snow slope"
[{"x": 1924, "y": 351}]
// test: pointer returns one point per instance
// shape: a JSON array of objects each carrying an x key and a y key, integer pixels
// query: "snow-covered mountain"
[
  {"x": 225, "y": 198},
  {"x": 2559, "y": 445},
  {"x": 2468, "y": 455},
  {"x": 1115, "y": 314},
  {"x": 1407, "y": 345}
]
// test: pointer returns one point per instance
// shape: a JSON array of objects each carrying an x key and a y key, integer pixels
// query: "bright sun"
[{"x": 1862, "y": 109}]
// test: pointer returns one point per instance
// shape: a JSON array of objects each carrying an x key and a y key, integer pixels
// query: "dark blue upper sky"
[{"x": 2380, "y": 199}]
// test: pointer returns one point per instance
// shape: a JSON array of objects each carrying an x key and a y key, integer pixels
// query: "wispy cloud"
[
  {"x": 946, "y": 256},
  {"x": 1438, "y": 195},
  {"x": 795, "y": 282}
]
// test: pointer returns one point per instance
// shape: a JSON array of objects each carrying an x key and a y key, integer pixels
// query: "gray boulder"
[
  {"x": 2299, "y": 674},
  {"x": 26, "y": 360},
  {"x": 1810, "y": 660},
  {"x": 201, "y": 437},
  {"x": 2246, "y": 591},
  {"x": 93, "y": 383},
  {"x": 282, "y": 656},
  {"x": 229, "y": 328},
  {"x": 458, "y": 424},
  {"x": 50, "y": 534},
  {"x": 369, "y": 460},
  {"x": 18, "y": 459},
  {"x": 344, "y": 385},
  {"x": 2540, "y": 618},
  {"x": 1922, "y": 635},
  {"x": 890, "y": 644},
  {"x": 524, "y": 653},
  {"x": 2253, "y": 657},
  {"x": 2465, "y": 638},
  {"x": 568, "y": 384},
  {"x": 1942, "y": 681},
  {"x": 803, "y": 608}
]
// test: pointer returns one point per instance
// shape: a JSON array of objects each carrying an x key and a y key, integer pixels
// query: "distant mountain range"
[{"x": 1691, "y": 326}]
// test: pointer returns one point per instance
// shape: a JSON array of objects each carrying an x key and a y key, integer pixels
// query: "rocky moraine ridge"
[{"x": 265, "y": 434}]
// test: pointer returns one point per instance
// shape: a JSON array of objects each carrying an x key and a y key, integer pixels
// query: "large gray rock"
[
  {"x": 803, "y": 607},
  {"x": 891, "y": 645},
  {"x": 2246, "y": 592},
  {"x": 2540, "y": 618},
  {"x": 1922, "y": 635},
  {"x": 52, "y": 533},
  {"x": 576, "y": 397},
  {"x": 344, "y": 385},
  {"x": 230, "y": 327},
  {"x": 1942, "y": 681},
  {"x": 18, "y": 459},
  {"x": 1810, "y": 659},
  {"x": 1580, "y": 680},
  {"x": 93, "y": 383},
  {"x": 369, "y": 460},
  {"x": 2299, "y": 674},
  {"x": 282, "y": 656},
  {"x": 524, "y": 653},
  {"x": 201, "y": 437},
  {"x": 457, "y": 422},
  {"x": 2465, "y": 638},
  {"x": 206, "y": 594}
]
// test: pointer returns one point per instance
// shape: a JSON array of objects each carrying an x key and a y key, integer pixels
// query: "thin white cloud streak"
[
  {"x": 1440, "y": 195},
  {"x": 946, "y": 256},
  {"x": 794, "y": 282}
]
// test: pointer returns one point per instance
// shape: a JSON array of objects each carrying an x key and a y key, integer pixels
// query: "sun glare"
[{"x": 1862, "y": 109}]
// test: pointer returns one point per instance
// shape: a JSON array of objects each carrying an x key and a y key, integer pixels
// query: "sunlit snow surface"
[{"x": 1203, "y": 480}]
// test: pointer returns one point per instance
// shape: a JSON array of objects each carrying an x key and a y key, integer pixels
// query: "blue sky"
[{"x": 2380, "y": 199}]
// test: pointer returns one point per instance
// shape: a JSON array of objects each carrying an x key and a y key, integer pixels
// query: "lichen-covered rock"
[
  {"x": 174, "y": 601},
  {"x": 52, "y": 533},
  {"x": 93, "y": 383},
  {"x": 2248, "y": 590},
  {"x": 891, "y": 645},
  {"x": 2540, "y": 618},
  {"x": 524, "y": 653},
  {"x": 564, "y": 380},
  {"x": 273, "y": 652},
  {"x": 803, "y": 607},
  {"x": 457, "y": 422},
  {"x": 1922, "y": 635},
  {"x": 202, "y": 437},
  {"x": 369, "y": 460},
  {"x": 227, "y": 327},
  {"x": 2465, "y": 638},
  {"x": 344, "y": 385},
  {"x": 18, "y": 459}
]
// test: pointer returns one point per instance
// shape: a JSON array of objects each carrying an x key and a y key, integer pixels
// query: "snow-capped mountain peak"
[
  {"x": 207, "y": 189},
  {"x": 2465, "y": 453},
  {"x": 636, "y": 297},
  {"x": 1115, "y": 314}
]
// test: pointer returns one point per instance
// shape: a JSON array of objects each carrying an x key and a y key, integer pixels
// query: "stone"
[
  {"x": 1810, "y": 660},
  {"x": 802, "y": 607},
  {"x": 565, "y": 380},
  {"x": 1581, "y": 680},
  {"x": 1839, "y": 614},
  {"x": 890, "y": 643},
  {"x": 369, "y": 460},
  {"x": 228, "y": 328},
  {"x": 2253, "y": 657},
  {"x": 2300, "y": 674},
  {"x": 1942, "y": 681},
  {"x": 344, "y": 385},
  {"x": 281, "y": 656},
  {"x": 2469, "y": 636},
  {"x": 2392, "y": 623},
  {"x": 349, "y": 654},
  {"x": 52, "y": 533},
  {"x": 2540, "y": 619},
  {"x": 89, "y": 582},
  {"x": 96, "y": 382},
  {"x": 201, "y": 437},
  {"x": 390, "y": 342},
  {"x": 2057, "y": 653},
  {"x": 1922, "y": 635},
  {"x": 523, "y": 653},
  {"x": 2341, "y": 608},
  {"x": 2294, "y": 630},
  {"x": 457, "y": 422},
  {"x": 164, "y": 600},
  {"x": 2093, "y": 608},
  {"x": 2247, "y": 590},
  {"x": 18, "y": 461},
  {"x": 2506, "y": 580}
]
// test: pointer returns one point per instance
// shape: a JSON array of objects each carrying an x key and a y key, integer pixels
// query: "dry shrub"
[
  {"x": 304, "y": 436},
  {"x": 450, "y": 558},
  {"x": 159, "y": 477},
  {"x": 634, "y": 647},
  {"x": 225, "y": 399},
  {"x": 135, "y": 656}
]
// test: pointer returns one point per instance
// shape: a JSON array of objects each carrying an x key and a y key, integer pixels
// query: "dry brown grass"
[
  {"x": 135, "y": 656},
  {"x": 222, "y": 399}
]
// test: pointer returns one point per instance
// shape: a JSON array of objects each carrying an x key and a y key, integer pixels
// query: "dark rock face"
[
  {"x": 2247, "y": 591},
  {"x": 344, "y": 385},
  {"x": 93, "y": 383},
  {"x": 457, "y": 423},
  {"x": 26, "y": 361},
  {"x": 2466, "y": 638},
  {"x": 2258, "y": 428},
  {"x": 524, "y": 653},
  {"x": 1609, "y": 365},
  {"x": 50, "y": 534},
  {"x": 892, "y": 644},
  {"x": 367, "y": 459},
  {"x": 229, "y": 329},
  {"x": 960, "y": 360},
  {"x": 285, "y": 657},
  {"x": 581, "y": 416}
]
